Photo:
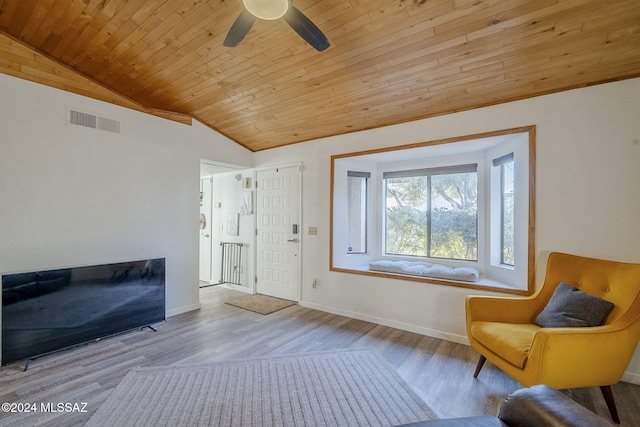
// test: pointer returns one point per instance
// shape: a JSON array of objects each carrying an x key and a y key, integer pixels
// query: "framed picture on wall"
[
  {"x": 246, "y": 204},
  {"x": 233, "y": 221}
]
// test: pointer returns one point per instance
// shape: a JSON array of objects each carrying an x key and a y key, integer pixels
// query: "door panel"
[
  {"x": 278, "y": 244},
  {"x": 206, "y": 187}
]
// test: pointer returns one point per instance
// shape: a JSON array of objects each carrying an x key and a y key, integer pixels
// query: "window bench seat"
[{"x": 425, "y": 269}]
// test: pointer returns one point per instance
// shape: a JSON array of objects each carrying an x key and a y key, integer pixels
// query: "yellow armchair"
[{"x": 503, "y": 330}]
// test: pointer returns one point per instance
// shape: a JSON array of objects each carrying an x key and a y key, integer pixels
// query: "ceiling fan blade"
[
  {"x": 239, "y": 29},
  {"x": 306, "y": 29}
]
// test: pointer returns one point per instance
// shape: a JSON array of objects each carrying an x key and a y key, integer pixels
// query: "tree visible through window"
[
  {"x": 357, "y": 211},
  {"x": 432, "y": 212},
  {"x": 506, "y": 164}
]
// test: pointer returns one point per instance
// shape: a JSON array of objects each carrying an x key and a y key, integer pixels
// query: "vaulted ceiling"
[{"x": 390, "y": 61}]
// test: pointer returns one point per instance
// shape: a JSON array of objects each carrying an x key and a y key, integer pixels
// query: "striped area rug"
[{"x": 348, "y": 388}]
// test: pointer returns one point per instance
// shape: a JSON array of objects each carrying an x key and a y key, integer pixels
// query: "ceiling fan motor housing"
[{"x": 267, "y": 9}]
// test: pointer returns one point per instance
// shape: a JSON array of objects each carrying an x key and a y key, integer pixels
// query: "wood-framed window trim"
[{"x": 530, "y": 286}]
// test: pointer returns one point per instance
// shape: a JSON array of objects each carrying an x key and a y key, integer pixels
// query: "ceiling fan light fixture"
[{"x": 267, "y": 9}]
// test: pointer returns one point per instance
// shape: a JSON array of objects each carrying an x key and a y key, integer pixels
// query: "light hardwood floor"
[{"x": 439, "y": 371}]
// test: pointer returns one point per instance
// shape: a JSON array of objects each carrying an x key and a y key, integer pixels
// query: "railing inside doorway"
[{"x": 231, "y": 268}]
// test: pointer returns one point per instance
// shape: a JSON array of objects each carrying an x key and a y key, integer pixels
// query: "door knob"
[{"x": 293, "y": 240}]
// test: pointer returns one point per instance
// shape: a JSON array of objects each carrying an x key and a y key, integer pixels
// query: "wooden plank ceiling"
[{"x": 390, "y": 61}]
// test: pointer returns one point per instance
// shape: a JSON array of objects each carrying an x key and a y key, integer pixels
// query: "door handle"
[
  {"x": 293, "y": 240},
  {"x": 205, "y": 235}
]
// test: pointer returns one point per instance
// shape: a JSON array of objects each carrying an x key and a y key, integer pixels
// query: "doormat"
[{"x": 262, "y": 304}]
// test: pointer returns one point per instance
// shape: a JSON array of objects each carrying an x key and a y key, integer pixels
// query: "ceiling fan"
[{"x": 275, "y": 9}]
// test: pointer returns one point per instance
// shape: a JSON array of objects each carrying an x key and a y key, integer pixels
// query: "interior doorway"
[{"x": 226, "y": 222}]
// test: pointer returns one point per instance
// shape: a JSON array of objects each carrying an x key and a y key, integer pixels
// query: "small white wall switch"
[{"x": 313, "y": 231}]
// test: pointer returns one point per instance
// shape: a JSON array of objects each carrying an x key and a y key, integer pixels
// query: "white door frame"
[{"x": 300, "y": 167}]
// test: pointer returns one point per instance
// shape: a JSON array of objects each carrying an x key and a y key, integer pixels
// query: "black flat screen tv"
[{"x": 45, "y": 311}]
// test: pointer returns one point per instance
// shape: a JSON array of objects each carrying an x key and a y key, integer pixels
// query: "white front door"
[
  {"x": 206, "y": 188},
  {"x": 279, "y": 233}
]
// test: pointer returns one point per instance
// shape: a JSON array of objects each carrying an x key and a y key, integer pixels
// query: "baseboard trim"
[
  {"x": 447, "y": 336},
  {"x": 628, "y": 377},
  {"x": 238, "y": 288},
  {"x": 631, "y": 377},
  {"x": 183, "y": 309}
]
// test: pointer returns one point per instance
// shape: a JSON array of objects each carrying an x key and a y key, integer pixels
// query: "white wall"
[
  {"x": 588, "y": 199},
  {"x": 71, "y": 196}
]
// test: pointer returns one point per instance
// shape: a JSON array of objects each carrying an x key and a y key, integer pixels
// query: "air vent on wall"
[{"x": 88, "y": 120}]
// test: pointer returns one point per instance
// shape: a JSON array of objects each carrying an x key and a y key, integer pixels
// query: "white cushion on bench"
[{"x": 425, "y": 269}]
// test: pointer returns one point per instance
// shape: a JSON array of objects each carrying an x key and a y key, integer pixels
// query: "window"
[
  {"x": 432, "y": 212},
  {"x": 459, "y": 202},
  {"x": 357, "y": 211},
  {"x": 507, "y": 213}
]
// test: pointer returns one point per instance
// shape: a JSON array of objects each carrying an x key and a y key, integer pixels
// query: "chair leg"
[
  {"x": 611, "y": 404},
  {"x": 479, "y": 366}
]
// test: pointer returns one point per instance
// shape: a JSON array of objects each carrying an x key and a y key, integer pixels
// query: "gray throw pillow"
[{"x": 570, "y": 307}]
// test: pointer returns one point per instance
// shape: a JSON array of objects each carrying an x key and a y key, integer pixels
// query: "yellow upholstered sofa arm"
[
  {"x": 502, "y": 309},
  {"x": 579, "y": 357}
]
